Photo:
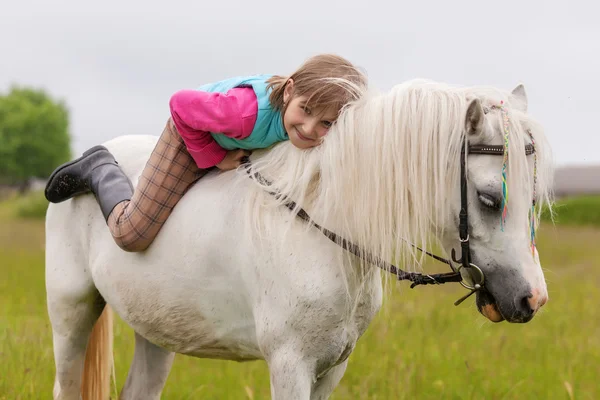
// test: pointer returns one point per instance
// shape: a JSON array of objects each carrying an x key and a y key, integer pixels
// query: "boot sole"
[{"x": 68, "y": 164}]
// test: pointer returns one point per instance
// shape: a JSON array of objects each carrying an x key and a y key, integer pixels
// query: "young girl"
[{"x": 216, "y": 125}]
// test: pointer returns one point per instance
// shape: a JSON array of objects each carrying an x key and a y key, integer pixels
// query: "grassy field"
[{"x": 419, "y": 347}]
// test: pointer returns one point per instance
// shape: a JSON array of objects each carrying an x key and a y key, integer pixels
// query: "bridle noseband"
[{"x": 475, "y": 273}]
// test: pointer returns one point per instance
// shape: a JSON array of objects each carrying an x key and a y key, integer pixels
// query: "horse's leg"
[
  {"x": 149, "y": 371},
  {"x": 72, "y": 322},
  {"x": 328, "y": 382},
  {"x": 292, "y": 376}
]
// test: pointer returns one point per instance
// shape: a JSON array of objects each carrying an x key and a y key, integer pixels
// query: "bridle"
[{"x": 474, "y": 272}]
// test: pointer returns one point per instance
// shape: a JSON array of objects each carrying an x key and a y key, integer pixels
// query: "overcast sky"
[{"x": 116, "y": 63}]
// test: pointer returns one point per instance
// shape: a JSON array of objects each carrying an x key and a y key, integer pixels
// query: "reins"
[{"x": 414, "y": 277}]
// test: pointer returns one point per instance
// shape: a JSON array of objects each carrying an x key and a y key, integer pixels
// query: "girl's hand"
[{"x": 233, "y": 159}]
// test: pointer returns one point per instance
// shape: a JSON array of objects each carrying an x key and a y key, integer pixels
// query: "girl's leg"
[{"x": 168, "y": 174}]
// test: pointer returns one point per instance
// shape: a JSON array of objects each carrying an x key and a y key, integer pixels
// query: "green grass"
[
  {"x": 30, "y": 206},
  {"x": 419, "y": 346},
  {"x": 576, "y": 211}
]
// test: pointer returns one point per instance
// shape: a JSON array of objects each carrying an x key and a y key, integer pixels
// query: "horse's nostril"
[{"x": 526, "y": 305}]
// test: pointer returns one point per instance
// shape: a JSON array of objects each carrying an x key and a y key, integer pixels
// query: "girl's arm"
[{"x": 196, "y": 113}]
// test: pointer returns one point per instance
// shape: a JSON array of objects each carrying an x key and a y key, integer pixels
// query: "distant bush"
[
  {"x": 34, "y": 134},
  {"x": 32, "y": 205},
  {"x": 583, "y": 210}
]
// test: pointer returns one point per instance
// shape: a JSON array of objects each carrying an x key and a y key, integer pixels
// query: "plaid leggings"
[{"x": 168, "y": 174}]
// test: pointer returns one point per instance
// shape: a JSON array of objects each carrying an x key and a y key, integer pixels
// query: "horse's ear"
[
  {"x": 521, "y": 98},
  {"x": 474, "y": 118}
]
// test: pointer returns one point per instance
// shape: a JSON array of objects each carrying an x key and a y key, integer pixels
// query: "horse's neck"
[{"x": 375, "y": 178}]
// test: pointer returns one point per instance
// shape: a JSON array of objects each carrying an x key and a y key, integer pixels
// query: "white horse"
[{"x": 234, "y": 275}]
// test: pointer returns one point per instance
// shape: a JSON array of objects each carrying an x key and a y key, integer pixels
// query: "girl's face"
[{"x": 304, "y": 126}]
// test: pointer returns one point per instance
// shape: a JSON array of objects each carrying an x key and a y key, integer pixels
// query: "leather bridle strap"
[
  {"x": 463, "y": 216},
  {"x": 495, "y": 150}
]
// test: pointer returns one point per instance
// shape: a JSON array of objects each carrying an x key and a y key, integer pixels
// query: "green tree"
[{"x": 34, "y": 136}]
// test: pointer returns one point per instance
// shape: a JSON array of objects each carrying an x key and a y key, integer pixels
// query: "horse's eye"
[{"x": 489, "y": 201}]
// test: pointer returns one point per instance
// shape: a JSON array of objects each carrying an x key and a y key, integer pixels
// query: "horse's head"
[{"x": 503, "y": 248}]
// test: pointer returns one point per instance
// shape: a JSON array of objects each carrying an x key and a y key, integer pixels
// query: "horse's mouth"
[{"x": 487, "y": 306}]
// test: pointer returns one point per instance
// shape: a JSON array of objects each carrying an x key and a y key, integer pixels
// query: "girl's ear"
[{"x": 288, "y": 90}]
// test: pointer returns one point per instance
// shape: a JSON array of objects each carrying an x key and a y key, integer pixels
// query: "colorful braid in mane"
[
  {"x": 533, "y": 202},
  {"x": 506, "y": 124}
]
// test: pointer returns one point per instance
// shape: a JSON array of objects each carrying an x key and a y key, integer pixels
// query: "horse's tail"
[{"x": 98, "y": 364}]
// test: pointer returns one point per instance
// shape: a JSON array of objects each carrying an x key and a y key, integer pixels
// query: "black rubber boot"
[{"x": 95, "y": 171}]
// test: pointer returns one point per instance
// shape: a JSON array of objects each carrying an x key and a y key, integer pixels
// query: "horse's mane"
[{"x": 390, "y": 165}]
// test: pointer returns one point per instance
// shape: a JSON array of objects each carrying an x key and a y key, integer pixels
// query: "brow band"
[{"x": 496, "y": 150}]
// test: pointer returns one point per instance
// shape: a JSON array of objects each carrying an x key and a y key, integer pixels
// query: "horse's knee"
[
  {"x": 292, "y": 375},
  {"x": 72, "y": 315}
]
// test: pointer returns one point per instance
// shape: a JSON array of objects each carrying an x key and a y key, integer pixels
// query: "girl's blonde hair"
[{"x": 329, "y": 81}]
